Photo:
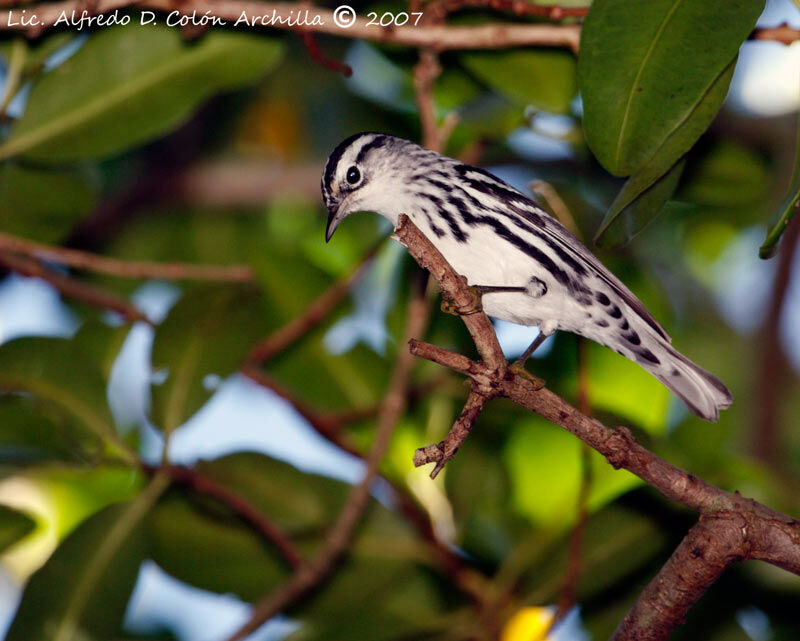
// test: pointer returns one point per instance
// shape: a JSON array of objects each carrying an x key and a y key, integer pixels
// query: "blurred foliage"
[{"x": 97, "y": 158}]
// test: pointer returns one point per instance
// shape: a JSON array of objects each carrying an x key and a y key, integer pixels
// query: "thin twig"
[
  {"x": 204, "y": 484},
  {"x": 321, "y": 58},
  {"x": 569, "y": 590},
  {"x": 425, "y": 73},
  {"x": 127, "y": 269},
  {"x": 73, "y": 288},
  {"x": 773, "y": 368},
  {"x": 314, "y": 314},
  {"x": 312, "y": 573},
  {"x": 443, "y": 452},
  {"x": 329, "y": 425}
]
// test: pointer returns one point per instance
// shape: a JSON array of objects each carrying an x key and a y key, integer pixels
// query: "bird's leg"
[
  {"x": 518, "y": 366},
  {"x": 477, "y": 291}
]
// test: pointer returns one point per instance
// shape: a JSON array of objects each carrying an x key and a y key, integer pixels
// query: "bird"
[{"x": 528, "y": 267}]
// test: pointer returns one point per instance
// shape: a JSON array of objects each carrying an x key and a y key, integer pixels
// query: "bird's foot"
[
  {"x": 473, "y": 307},
  {"x": 476, "y": 292},
  {"x": 518, "y": 367}
]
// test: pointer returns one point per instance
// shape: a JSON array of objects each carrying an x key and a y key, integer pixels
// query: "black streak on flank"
[
  {"x": 624, "y": 325},
  {"x": 601, "y": 323},
  {"x": 459, "y": 234},
  {"x": 647, "y": 355},
  {"x": 601, "y": 298},
  {"x": 632, "y": 338},
  {"x": 615, "y": 312}
]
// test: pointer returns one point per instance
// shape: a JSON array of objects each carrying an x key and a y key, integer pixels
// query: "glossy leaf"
[
  {"x": 542, "y": 78},
  {"x": 129, "y": 84},
  {"x": 57, "y": 371},
  {"x": 625, "y": 218},
  {"x": 545, "y": 468},
  {"x": 33, "y": 432},
  {"x": 730, "y": 176},
  {"x": 14, "y": 525},
  {"x": 616, "y": 542},
  {"x": 629, "y": 220},
  {"x": 83, "y": 589},
  {"x": 207, "y": 333},
  {"x": 62, "y": 197},
  {"x": 787, "y": 209},
  {"x": 643, "y": 73},
  {"x": 302, "y": 505}
]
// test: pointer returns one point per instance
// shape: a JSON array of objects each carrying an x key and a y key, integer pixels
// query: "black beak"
[{"x": 333, "y": 223}]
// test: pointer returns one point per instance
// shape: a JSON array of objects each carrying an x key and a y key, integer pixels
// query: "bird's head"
[{"x": 364, "y": 173}]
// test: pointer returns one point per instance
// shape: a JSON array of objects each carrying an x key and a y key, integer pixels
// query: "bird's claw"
[
  {"x": 519, "y": 369},
  {"x": 474, "y": 306}
]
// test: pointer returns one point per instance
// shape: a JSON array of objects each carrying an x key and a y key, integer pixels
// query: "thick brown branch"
[
  {"x": 703, "y": 554},
  {"x": 761, "y": 533},
  {"x": 455, "y": 289},
  {"x": 127, "y": 269}
]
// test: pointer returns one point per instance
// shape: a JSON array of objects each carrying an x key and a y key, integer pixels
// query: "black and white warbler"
[{"x": 531, "y": 270}]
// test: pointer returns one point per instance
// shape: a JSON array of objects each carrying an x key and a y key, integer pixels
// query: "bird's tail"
[{"x": 702, "y": 392}]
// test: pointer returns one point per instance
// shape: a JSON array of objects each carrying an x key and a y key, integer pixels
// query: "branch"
[
  {"x": 202, "y": 484},
  {"x": 314, "y": 314},
  {"x": 761, "y": 533},
  {"x": 127, "y": 269},
  {"x": 72, "y": 288},
  {"x": 328, "y": 425},
  {"x": 312, "y": 573},
  {"x": 773, "y": 369},
  {"x": 784, "y": 34},
  {"x": 286, "y": 17}
]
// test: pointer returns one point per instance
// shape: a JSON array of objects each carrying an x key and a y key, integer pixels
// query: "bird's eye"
[{"x": 353, "y": 175}]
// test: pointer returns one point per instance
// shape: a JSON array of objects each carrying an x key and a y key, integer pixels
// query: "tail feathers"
[{"x": 703, "y": 393}]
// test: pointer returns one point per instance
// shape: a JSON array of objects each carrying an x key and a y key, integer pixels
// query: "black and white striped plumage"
[{"x": 495, "y": 236}]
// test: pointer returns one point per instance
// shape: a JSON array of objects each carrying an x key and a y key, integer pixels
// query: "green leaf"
[
  {"x": 14, "y": 525},
  {"x": 101, "y": 342},
  {"x": 545, "y": 469},
  {"x": 303, "y": 505},
  {"x": 57, "y": 371},
  {"x": 208, "y": 332},
  {"x": 661, "y": 167},
  {"x": 789, "y": 207},
  {"x": 32, "y": 432},
  {"x": 83, "y": 589},
  {"x": 61, "y": 198},
  {"x": 130, "y": 84},
  {"x": 617, "y": 541},
  {"x": 643, "y": 73},
  {"x": 542, "y": 78},
  {"x": 622, "y": 224},
  {"x": 729, "y": 176}
]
